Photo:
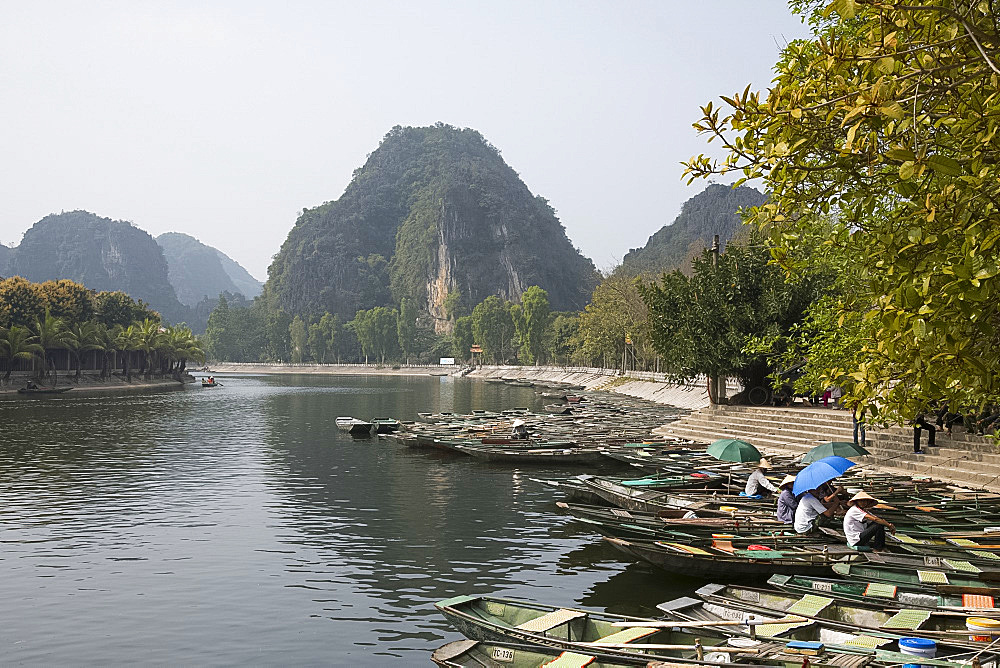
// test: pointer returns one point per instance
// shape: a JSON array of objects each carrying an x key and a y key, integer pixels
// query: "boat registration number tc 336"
[{"x": 502, "y": 654}]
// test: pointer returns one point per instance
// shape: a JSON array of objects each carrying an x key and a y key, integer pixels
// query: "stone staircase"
[{"x": 963, "y": 459}]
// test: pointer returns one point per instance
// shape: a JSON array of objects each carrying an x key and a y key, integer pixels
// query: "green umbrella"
[
  {"x": 834, "y": 448},
  {"x": 734, "y": 450}
]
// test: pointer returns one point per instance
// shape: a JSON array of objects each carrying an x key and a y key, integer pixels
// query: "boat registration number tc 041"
[{"x": 502, "y": 654}]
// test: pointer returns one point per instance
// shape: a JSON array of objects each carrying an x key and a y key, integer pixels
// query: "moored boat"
[
  {"x": 43, "y": 390},
  {"x": 729, "y": 563},
  {"x": 385, "y": 425},
  {"x": 354, "y": 426}
]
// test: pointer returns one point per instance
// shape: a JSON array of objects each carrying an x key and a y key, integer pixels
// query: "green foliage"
[
  {"x": 323, "y": 338},
  {"x": 887, "y": 120},
  {"x": 21, "y": 302},
  {"x": 535, "y": 316},
  {"x": 708, "y": 323},
  {"x": 462, "y": 338},
  {"x": 616, "y": 313},
  {"x": 17, "y": 343},
  {"x": 117, "y": 308},
  {"x": 298, "y": 339},
  {"x": 493, "y": 329},
  {"x": 376, "y": 332},
  {"x": 406, "y": 327},
  {"x": 564, "y": 338},
  {"x": 454, "y": 305}
]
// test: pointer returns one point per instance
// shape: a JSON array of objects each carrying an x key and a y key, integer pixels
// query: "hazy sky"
[{"x": 225, "y": 119}]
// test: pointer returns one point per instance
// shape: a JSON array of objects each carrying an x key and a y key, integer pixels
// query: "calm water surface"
[{"x": 237, "y": 525}]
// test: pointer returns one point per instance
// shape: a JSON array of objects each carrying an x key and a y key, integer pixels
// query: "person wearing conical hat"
[
  {"x": 861, "y": 527},
  {"x": 786, "y": 500},
  {"x": 758, "y": 485}
]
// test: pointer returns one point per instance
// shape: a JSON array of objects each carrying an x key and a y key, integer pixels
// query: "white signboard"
[{"x": 447, "y": 360}]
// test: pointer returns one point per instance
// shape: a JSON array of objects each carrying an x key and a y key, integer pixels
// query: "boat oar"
[
  {"x": 701, "y": 623},
  {"x": 710, "y": 648}
]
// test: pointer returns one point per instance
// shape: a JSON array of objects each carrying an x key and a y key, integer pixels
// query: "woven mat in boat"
[
  {"x": 774, "y": 630},
  {"x": 871, "y": 642},
  {"x": 983, "y": 554},
  {"x": 977, "y": 601},
  {"x": 551, "y": 620},
  {"x": 570, "y": 660},
  {"x": 620, "y": 513},
  {"x": 932, "y": 577},
  {"x": 909, "y": 620},
  {"x": 809, "y": 605},
  {"x": 881, "y": 589},
  {"x": 965, "y": 566},
  {"x": 903, "y": 538},
  {"x": 627, "y": 635},
  {"x": 963, "y": 542}
]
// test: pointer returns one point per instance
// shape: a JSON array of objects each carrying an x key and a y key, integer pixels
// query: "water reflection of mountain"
[{"x": 399, "y": 528}]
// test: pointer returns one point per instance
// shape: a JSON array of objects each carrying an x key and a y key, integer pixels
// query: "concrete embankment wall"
[{"x": 641, "y": 384}]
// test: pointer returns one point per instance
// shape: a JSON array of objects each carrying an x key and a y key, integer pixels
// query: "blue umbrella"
[{"x": 819, "y": 472}]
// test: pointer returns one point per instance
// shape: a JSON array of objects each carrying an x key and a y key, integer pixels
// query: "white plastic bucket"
[{"x": 983, "y": 629}]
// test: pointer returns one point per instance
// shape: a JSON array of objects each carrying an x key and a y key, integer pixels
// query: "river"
[{"x": 236, "y": 525}]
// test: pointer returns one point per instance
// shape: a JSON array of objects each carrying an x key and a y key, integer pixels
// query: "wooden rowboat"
[
  {"x": 734, "y": 564},
  {"x": 43, "y": 390},
  {"x": 354, "y": 426}
]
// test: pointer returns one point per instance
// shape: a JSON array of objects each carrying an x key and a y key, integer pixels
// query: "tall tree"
[
  {"x": 536, "y": 315},
  {"x": 16, "y": 344},
  {"x": 493, "y": 327},
  {"x": 712, "y": 322},
  {"x": 298, "y": 337},
  {"x": 51, "y": 334},
  {"x": 886, "y": 119},
  {"x": 406, "y": 327},
  {"x": 463, "y": 338}
]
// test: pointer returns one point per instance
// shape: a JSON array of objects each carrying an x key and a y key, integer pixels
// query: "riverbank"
[
  {"x": 89, "y": 385},
  {"x": 638, "y": 384}
]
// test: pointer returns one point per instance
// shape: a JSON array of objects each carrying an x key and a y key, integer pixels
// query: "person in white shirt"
[
  {"x": 758, "y": 484},
  {"x": 861, "y": 527},
  {"x": 812, "y": 507}
]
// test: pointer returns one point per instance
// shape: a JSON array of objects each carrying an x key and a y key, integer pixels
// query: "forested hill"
[
  {"x": 5, "y": 254},
  {"x": 100, "y": 253},
  {"x": 245, "y": 283},
  {"x": 197, "y": 271},
  {"x": 434, "y": 210},
  {"x": 712, "y": 211}
]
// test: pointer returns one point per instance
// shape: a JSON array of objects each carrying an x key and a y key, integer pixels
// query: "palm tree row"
[{"x": 163, "y": 350}]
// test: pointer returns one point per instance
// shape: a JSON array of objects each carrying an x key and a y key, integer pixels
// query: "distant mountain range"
[
  {"x": 433, "y": 211},
  {"x": 105, "y": 254},
  {"x": 710, "y": 212},
  {"x": 199, "y": 272}
]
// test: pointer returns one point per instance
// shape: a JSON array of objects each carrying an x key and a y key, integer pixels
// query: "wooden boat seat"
[
  {"x": 724, "y": 545},
  {"x": 849, "y": 660},
  {"x": 570, "y": 660},
  {"x": 977, "y": 601},
  {"x": 909, "y": 620},
  {"x": 551, "y": 620},
  {"x": 932, "y": 577},
  {"x": 627, "y": 635},
  {"x": 964, "y": 566}
]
